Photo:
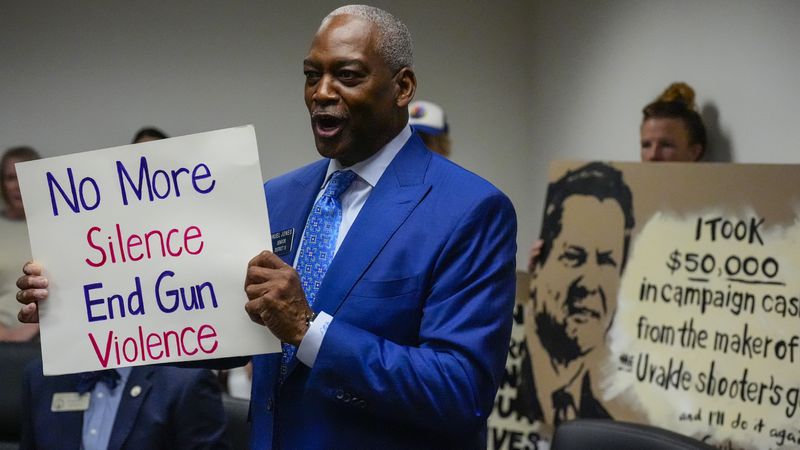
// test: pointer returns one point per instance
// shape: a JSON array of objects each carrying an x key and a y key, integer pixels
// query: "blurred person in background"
[
  {"x": 429, "y": 121},
  {"x": 148, "y": 134},
  {"x": 15, "y": 245},
  {"x": 672, "y": 129},
  {"x": 142, "y": 407}
]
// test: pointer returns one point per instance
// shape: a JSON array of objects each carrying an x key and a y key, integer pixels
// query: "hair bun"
[{"x": 679, "y": 92}]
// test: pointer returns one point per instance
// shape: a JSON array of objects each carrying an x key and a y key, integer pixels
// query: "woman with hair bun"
[{"x": 672, "y": 129}]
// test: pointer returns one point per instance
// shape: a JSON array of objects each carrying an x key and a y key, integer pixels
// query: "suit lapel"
[
  {"x": 291, "y": 213},
  {"x": 130, "y": 405},
  {"x": 68, "y": 425},
  {"x": 286, "y": 213},
  {"x": 397, "y": 193}
]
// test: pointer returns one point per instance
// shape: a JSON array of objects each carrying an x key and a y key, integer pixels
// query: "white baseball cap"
[{"x": 427, "y": 117}]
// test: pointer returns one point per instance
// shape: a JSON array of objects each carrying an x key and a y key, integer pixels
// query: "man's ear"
[{"x": 406, "y": 85}]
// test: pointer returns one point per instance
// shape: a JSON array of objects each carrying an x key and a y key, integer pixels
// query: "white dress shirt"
[{"x": 353, "y": 199}]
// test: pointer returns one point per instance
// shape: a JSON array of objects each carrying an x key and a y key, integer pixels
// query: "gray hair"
[{"x": 394, "y": 41}]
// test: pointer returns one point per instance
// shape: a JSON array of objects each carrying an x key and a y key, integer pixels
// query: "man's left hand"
[{"x": 276, "y": 298}]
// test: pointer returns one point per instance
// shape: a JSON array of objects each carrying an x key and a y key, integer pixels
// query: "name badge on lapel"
[
  {"x": 282, "y": 242},
  {"x": 70, "y": 401}
]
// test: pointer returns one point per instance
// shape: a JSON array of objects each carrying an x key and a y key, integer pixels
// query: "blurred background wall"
[{"x": 523, "y": 82}]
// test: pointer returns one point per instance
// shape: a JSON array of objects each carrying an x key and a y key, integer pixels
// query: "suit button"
[
  {"x": 339, "y": 394},
  {"x": 346, "y": 397},
  {"x": 269, "y": 405}
]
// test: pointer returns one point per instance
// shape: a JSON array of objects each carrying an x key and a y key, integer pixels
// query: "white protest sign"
[{"x": 145, "y": 248}]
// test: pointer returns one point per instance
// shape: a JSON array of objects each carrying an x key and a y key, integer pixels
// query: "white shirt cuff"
[{"x": 309, "y": 346}]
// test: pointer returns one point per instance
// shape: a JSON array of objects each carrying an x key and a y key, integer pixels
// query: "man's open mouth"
[{"x": 327, "y": 125}]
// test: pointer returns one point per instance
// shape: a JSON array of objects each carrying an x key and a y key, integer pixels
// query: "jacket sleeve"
[{"x": 448, "y": 381}]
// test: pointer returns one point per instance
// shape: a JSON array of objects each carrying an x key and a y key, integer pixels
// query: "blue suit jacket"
[
  {"x": 176, "y": 409},
  {"x": 422, "y": 292}
]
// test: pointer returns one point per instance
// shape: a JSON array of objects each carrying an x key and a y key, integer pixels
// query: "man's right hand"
[
  {"x": 32, "y": 289},
  {"x": 276, "y": 298}
]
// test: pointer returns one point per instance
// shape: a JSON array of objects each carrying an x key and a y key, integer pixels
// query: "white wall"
[
  {"x": 598, "y": 63},
  {"x": 523, "y": 81},
  {"x": 82, "y": 75}
]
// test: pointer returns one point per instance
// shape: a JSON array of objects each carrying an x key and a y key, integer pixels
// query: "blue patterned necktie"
[{"x": 319, "y": 244}]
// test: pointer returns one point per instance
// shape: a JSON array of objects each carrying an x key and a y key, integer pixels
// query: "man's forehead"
[{"x": 345, "y": 29}]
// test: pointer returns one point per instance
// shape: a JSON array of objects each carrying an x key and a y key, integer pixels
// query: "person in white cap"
[{"x": 428, "y": 119}]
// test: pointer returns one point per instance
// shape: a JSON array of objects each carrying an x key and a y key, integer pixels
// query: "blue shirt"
[{"x": 98, "y": 419}]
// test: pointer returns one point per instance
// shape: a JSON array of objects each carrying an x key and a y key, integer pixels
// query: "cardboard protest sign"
[
  {"x": 511, "y": 423},
  {"x": 145, "y": 248},
  {"x": 668, "y": 294}
]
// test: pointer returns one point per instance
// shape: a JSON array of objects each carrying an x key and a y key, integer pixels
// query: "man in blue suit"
[
  {"x": 393, "y": 272},
  {"x": 147, "y": 407},
  {"x": 413, "y": 315}
]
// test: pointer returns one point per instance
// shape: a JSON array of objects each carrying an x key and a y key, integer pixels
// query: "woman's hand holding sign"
[
  {"x": 33, "y": 288},
  {"x": 276, "y": 298}
]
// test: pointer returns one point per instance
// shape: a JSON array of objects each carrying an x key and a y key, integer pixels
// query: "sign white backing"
[{"x": 145, "y": 247}]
